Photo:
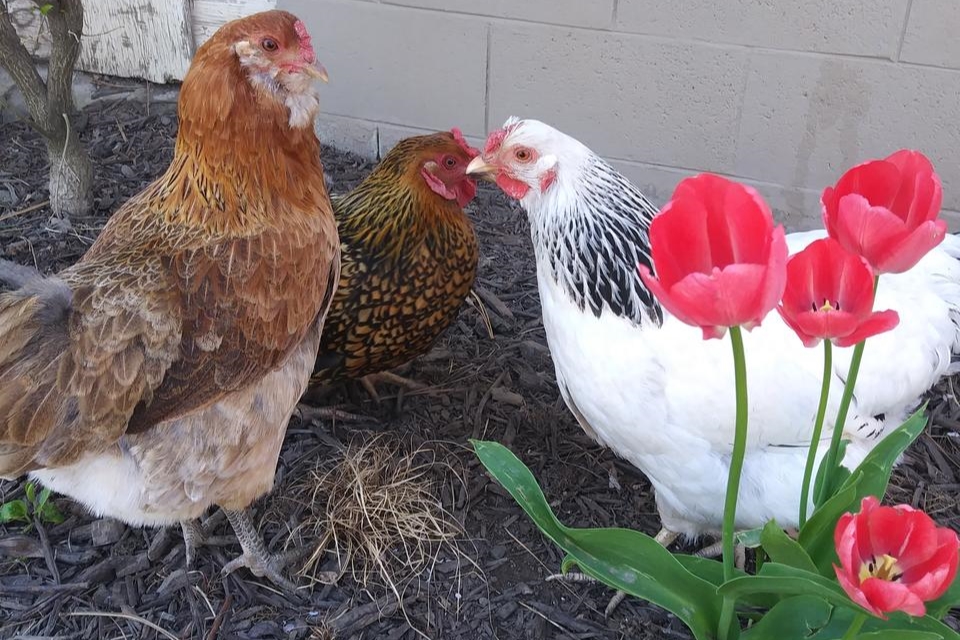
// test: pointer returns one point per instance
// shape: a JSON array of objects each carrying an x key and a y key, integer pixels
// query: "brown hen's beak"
[
  {"x": 316, "y": 71},
  {"x": 480, "y": 168}
]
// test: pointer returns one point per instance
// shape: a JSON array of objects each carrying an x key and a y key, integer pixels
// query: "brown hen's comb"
[
  {"x": 307, "y": 54},
  {"x": 458, "y": 136}
]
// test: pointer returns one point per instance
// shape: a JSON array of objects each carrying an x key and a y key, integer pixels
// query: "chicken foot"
[
  {"x": 665, "y": 537},
  {"x": 193, "y": 537},
  {"x": 388, "y": 377},
  {"x": 308, "y": 413},
  {"x": 255, "y": 557}
]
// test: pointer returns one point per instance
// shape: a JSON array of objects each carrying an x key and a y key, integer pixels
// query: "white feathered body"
[{"x": 663, "y": 398}]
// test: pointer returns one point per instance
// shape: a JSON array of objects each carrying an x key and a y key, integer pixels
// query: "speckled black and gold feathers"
[{"x": 408, "y": 261}]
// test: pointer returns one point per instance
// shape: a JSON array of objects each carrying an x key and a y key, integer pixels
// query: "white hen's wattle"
[{"x": 650, "y": 388}]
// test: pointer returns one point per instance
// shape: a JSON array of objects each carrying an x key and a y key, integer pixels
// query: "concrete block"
[
  {"x": 624, "y": 96},
  {"x": 390, "y": 64},
  {"x": 796, "y": 209},
  {"x": 579, "y": 13},
  {"x": 348, "y": 134},
  {"x": 806, "y": 119},
  {"x": 953, "y": 220},
  {"x": 932, "y": 34},
  {"x": 861, "y": 27}
]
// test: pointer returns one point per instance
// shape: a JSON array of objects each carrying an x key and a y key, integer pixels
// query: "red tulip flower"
[
  {"x": 719, "y": 260},
  {"x": 829, "y": 295},
  {"x": 886, "y": 211},
  {"x": 894, "y": 558}
]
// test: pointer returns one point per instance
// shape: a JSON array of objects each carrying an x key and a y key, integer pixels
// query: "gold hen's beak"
[
  {"x": 480, "y": 168},
  {"x": 316, "y": 71}
]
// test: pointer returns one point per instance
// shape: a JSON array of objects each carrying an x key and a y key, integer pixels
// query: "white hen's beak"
[{"x": 480, "y": 168}]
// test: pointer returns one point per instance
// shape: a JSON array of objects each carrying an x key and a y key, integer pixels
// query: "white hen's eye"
[{"x": 522, "y": 154}]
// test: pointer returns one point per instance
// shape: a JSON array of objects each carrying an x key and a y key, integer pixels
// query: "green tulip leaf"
[
  {"x": 785, "y": 550},
  {"x": 899, "y": 634},
  {"x": 868, "y": 479},
  {"x": 784, "y": 580},
  {"x": 878, "y": 465},
  {"x": 796, "y": 617},
  {"x": 822, "y": 493},
  {"x": 749, "y": 538},
  {"x": 621, "y": 558}
]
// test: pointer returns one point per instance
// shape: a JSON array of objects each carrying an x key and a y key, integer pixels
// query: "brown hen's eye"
[
  {"x": 269, "y": 44},
  {"x": 450, "y": 162}
]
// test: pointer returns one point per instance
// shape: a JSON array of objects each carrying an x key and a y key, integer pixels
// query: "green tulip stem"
[
  {"x": 817, "y": 429},
  {"x": 830, "y": 470},
  {"x": 855, "y": 626},
  {"x": 733, "y": 479}
]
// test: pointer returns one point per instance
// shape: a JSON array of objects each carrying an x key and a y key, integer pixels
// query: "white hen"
[{"x": 650, "y": 388}]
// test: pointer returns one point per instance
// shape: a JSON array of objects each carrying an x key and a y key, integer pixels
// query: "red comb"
[
  {"x": 495, "y": 140},
  {"x": 458, "y": 136},
  {"x": 307, "y": 53}
]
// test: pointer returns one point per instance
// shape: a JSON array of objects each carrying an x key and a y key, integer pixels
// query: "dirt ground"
[{"x": 490, "y": 376}]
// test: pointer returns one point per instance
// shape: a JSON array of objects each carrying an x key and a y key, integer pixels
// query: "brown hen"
[
  {"x": 409, "y": 257},
  {"x": 155, "y": 377}
]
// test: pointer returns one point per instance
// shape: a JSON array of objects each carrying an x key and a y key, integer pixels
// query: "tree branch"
[
  {"x": 66, "y": 26},
  {"x": 18, "y": 62}
]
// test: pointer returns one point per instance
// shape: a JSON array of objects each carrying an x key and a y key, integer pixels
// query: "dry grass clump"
[{"x": 378, "y": 508}]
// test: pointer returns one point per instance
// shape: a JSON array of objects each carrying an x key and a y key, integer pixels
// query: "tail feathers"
[{"x": 16, "y": 275}]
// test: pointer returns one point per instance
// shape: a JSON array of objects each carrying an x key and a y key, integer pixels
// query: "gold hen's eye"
[{"x": 269, "y": 45}]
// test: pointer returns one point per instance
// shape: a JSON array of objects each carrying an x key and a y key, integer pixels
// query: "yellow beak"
[
  {"x": 316, "y": 71},
  {"x": 482, "y": 169}
]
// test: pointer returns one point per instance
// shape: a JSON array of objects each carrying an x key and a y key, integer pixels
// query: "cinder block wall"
[{"x": 781, "y": 94}]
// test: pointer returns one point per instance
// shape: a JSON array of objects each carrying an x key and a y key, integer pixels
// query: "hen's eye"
[
  {"x": 523, "y": 155},
  {"x": 269, "y": 44},
  {"x": 449, "y": 162}
]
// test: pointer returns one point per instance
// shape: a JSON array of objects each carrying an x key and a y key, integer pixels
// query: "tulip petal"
[
  {"x": 827, "y": 324},
  {"x": 807, "y": 339},
  {"x": 845, "y": 541},
  {"x": 931, "y": 579},
  {"x": 875, "y": 180},
  {"x": 875, "y": 324},
  {"x": 892, "y": 596},
  {"x": 680, "y": 309},
  {"x": 681, "y": 223},
  {"x": 852, "y": 589},
  {"x": 726, "y": 298},
  {"x": 890, "y": 531},
  {"x": 866, "y": 230},
  {"x": 909, "y": 250},
  {"x": 774, "y": 277}
]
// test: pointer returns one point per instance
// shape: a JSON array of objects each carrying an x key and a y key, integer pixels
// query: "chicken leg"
[
  {"x": 388, "y": 377},
  {"x": 307, "y": 413},
  {"x": 193, "y": 537},
  {"x": 665, "y": 537},
  {"x": 255, "y": 557}
]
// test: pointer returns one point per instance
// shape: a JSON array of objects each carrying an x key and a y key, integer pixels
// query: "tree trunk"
[
  {"x": 71, "y": 175},
  {"x": 50, "y": 102}
]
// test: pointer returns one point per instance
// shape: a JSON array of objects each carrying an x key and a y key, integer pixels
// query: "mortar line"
[
  {"x": 674, "y": 40},
  {"x": 903, "y": 31},
  {"x": 616, "y": 15}
]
